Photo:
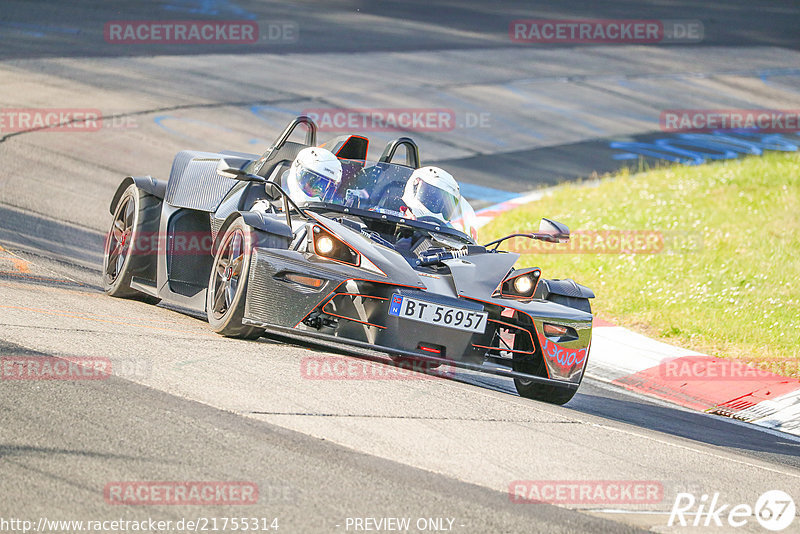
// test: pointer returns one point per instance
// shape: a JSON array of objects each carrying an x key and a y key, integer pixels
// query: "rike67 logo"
[{"x": 774, "y": 510}]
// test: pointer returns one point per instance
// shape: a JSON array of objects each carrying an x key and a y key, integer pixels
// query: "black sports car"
[{"x": 221, "y": 236}]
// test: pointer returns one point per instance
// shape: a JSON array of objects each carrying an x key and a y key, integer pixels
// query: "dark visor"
[
  {"x": 316, "y": 185},
  {"x": 435, "y": 199}
]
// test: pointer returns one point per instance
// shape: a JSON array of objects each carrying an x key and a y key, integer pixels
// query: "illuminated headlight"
[
  {"x": 523, "y": 284},
  {"x": 329, "y": 246},
  {"x": 333, "y": 248},
  {"x": 520, "y": 286},
  {"x": 324, "y": 245}
]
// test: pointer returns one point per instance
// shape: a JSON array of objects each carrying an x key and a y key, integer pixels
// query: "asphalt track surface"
[{"x": 186, "y": 405}]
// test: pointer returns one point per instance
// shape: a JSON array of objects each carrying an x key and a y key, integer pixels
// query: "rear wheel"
[
  {"x": 227, "y": 286},
  {"x": 533, "y": 365},
  {"x": 136, "y": 220}
]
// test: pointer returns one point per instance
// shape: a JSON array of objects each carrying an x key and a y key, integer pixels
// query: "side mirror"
[
  {"x": 555, "y": 231},
  {"x": 225, "y": 169}
]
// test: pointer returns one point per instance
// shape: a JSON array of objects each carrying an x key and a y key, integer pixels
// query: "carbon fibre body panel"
[
  {"x": 194, "y": 182},
  {"x": 272, "y": 298}
]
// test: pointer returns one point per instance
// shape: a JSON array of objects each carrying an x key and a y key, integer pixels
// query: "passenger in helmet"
[
  {"x": 432, "y": 192},
  {"x": 314, "y": 176}
]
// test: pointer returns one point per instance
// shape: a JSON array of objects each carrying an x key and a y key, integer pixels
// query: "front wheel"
[
  {"x": 227, "y": 285},
  {"x": 534, "y": 365}
]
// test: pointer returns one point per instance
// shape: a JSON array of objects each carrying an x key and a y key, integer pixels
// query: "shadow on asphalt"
[
  {"x": 39, "y": 234},
  {"x": 713, "y": 430},
  {"x": 83, "y": 247},
  {"x": 49, "y": 28},
  {"x": 616, "y": 404},
  {"x": 608, "y": 403}
]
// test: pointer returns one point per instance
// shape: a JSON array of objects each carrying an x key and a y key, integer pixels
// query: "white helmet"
[
  {"x": 432, "y": 192},
  {"x": 465, "y": 219},
  {"x": 314, "y": 175}
]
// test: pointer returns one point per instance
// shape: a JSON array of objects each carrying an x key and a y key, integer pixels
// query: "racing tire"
[
  {"x": 536, "y": 366},
  {"x": 227, "y": 284},
  {"x": 136, "y": 214}
]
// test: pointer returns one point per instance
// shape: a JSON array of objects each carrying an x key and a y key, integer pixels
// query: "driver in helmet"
[
  {"x": 431, "y": 192},
  {"x": 314, "y": 176}
]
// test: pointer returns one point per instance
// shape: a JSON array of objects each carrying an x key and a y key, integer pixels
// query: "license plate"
[{"x": 428, "y": 312}]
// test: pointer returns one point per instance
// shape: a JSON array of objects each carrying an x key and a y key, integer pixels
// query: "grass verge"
[{"x": 715, "y": 265}]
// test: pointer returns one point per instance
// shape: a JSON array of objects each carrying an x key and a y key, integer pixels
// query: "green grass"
[{"x": 728, "y": 280}]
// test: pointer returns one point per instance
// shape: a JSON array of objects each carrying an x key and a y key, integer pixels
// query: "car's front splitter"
[{"x": 326, "y": 339}]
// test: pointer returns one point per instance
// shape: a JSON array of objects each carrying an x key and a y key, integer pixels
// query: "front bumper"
[{"x": 350, "y": 309}]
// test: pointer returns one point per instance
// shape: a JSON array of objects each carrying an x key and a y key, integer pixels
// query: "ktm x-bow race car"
[{"x": 223, "y": 237}]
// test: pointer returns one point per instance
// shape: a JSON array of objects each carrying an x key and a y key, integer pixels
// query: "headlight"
[
  {"x": 523, "y": 284},
  {"x": 329, "y": 246},
  {"x": 520, "y": 284},
  {"x": 324, "y": 245}
]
